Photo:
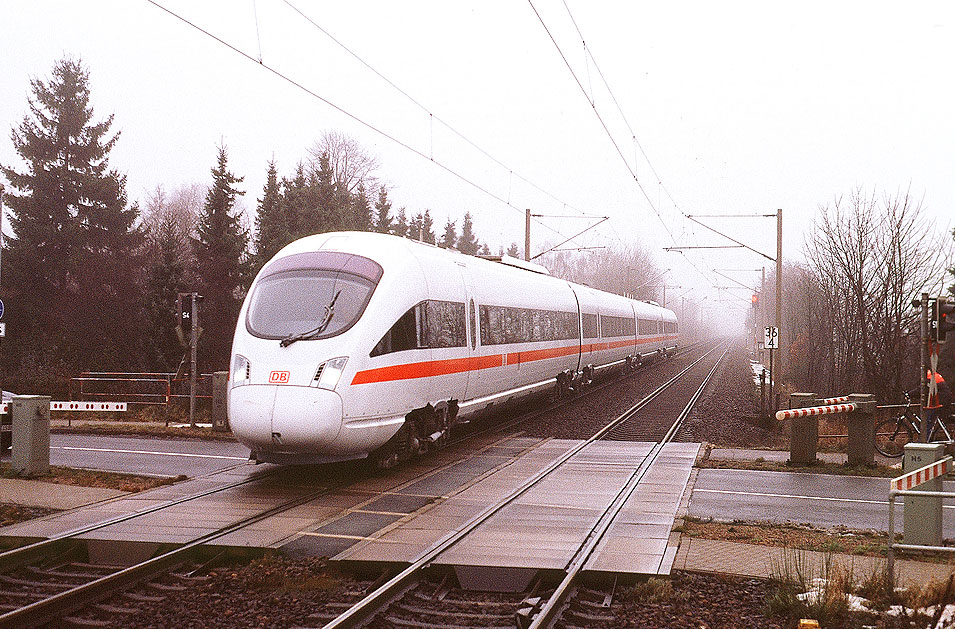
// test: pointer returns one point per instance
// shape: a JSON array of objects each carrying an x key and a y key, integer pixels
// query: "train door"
[{"x": 473, "y": 330}]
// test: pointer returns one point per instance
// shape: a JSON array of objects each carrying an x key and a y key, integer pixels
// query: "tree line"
[
  {"x": 90, "y": 279},
  {"x": 848, "y": 323}
]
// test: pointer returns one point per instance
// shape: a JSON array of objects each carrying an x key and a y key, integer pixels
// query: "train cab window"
[
  {"x": 430, "y": 323},
  {"x": 307, "y": 303}
]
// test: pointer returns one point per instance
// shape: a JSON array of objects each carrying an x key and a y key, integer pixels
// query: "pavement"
[
  {"x": 694, "y": 554},
  {"x": 32, "y": 493}
]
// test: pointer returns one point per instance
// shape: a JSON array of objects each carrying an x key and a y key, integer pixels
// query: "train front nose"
[{"x": 285, "y": 419}]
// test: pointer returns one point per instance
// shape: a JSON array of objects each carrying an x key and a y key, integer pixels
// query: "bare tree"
[
  {"x": 869, "y": 257},
  {"x": 350, "y": 163}
]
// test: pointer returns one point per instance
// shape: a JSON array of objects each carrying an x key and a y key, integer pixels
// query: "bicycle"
[{"x": 893, "y": 433}]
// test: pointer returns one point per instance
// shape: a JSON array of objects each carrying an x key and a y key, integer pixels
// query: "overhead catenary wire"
[
  {"x": 603, "y": 123},
  {"x": 345, "y": 112},
  {"x": 431, "y": 114},
  {"x": 589, "y": 53}
]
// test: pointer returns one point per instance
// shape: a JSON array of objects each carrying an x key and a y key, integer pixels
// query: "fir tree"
[
  {"x": 427, "y": 228},
  {"x": 416, "y": 227},
  {"x": 485, "y": 250},
  {"x": 513, "y": 251},
  {"x": 360, "y": 210},
  {"x": 295, "y": 204},
  {"x": 383, "y": 221},
  {"x": 167, "y": 274},
  {"x": 74, "y": 245},
  {"x": 401, "y": 224},
  {"x": 271, "y": 221},
  {"x": 222, "y": 261},
  {"x": 450, "y": 236},
  {"x": 468, "y": 242}
]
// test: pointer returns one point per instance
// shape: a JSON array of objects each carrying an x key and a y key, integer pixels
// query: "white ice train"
[{"x": 355, "y": 344}]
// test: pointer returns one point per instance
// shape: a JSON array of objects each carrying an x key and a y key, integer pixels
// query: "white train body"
[{"x": 402, "y": 339}]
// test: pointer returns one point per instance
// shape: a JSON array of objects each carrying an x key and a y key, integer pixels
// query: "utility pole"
[
  {"x": 923, "y": 387},
  {"x": 527, "y": 234},
  {"x": 193, "y": 341},
  {"x": 779, "y": 300}
]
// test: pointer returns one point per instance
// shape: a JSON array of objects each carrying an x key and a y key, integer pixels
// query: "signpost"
[{"x": 771, "y": 342}]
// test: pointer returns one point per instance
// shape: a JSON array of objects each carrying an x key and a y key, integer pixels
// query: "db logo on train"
[{"x": 278, "y": 377}]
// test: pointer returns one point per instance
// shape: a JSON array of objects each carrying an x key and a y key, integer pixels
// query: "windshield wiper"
[{"x": 310, "y": 334}]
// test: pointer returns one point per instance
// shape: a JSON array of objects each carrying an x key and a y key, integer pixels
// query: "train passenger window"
[
  {"x": 590, "y": 326},
  {"x": 647, "y": 327},
  {"x": 472, "y": 321},
  {"x": 445, "y": 324},
  {"x": 616, "y": 326},
  {"x": 429, "y": 324},
  {"x": 501, "y": 325},
  {"x": 402, "y": 335}
]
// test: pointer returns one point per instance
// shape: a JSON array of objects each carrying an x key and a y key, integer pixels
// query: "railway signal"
[{"x": 943, "y": 319}]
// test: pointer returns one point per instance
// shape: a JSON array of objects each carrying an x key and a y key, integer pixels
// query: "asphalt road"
[
  {"x": 141, "y": 455},
  {"x": 818, "y": 499}
]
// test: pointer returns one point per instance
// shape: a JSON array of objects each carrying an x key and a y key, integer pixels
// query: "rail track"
[
  {"x": 398, "y": 601},
  {"x": 49, "y": 580}
]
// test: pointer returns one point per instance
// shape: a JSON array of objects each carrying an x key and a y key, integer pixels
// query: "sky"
[{"x": 734, "y": 108}]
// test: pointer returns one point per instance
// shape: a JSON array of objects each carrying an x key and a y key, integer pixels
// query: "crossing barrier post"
[
  {"x": 804, "y": 436},
  {"x": 922, "y": 516},
  {"x": 860, "y": 449}
]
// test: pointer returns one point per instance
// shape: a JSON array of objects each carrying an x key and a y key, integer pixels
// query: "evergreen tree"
[
  {"x": 295, "y": 202},
  {"x": 222, "y": 260},
  {"x": 360, "y": 210},
  {"x": 513, "y": 251},
  {"x": 383, "y": 221},
  {"x": 324, "y": 196},
  {"x": 468, "y": 242},
  {"x": 450, "y": 236},
  {"x": 167, "y": 274},
  {"x": 416, "y": 227},
  {"x": 427, "y": 228},
  {"x": 401, "y": 224},
  {"x": 271, "y": 220},
  {"x": 485, "y": 250},
  {"x": 71, "y": 268}
]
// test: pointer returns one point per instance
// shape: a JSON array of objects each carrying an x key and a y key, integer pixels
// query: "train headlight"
[
  {"x": 329, "y": 373},
  {"x": 241, "y": 370}
]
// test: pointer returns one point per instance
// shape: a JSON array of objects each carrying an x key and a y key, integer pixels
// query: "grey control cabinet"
[
  {"x": 922, "y": 519},
  {"x": 31, "y": 434}
]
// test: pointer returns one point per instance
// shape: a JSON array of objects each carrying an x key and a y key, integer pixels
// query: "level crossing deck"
[{"x": 394, "y": 517}]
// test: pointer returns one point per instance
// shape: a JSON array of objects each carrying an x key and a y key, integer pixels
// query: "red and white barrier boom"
[
  {"x": 834, "y": 400},
  {"x": 77, "y": 406},
  {"x": 921, "y": 475},
  {"x": 816, "y": 410}
]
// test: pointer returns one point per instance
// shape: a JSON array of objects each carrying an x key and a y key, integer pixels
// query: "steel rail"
[
  {"x": 548, "y": 613},
  {"x": 369, "y": 605},
  {"x": 16, "y": 557},
  {"x": 70, "y": 600}
]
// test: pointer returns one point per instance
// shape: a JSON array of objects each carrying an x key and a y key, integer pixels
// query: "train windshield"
[{"x": 295, "y": 303}]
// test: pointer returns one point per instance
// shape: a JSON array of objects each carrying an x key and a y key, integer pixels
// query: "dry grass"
[
  {"x": 93, "y": 478},
  {"x": 867, "y": 543},
  {"x": 762, "y": 465}
]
